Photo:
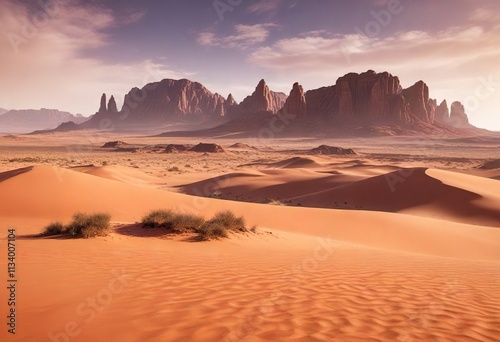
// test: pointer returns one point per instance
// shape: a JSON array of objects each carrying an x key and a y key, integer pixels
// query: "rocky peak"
[
  {"x": 230, "y": 101},
  {"x": 442, "y": 112},
  {"x": 262, "y": 100},
  {"x": 102, "y": 107},
  {"x": 458, "y": 118},
  {"x": 296, "y": 102},
  {"x": 417, "y": 99},
  {"x": 112, "y": 105}
]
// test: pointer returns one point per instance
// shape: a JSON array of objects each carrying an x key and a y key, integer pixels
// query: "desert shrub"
[
  {"x": 158, "y": 218},
  {"x": 89, "y": 225},
  {"x": 54, "y": 228},
  {"x": 183, "y": 223},
  {"x": 229, "y": 221},
  {"x": 211, "y": 231},
  {"x": 174, "y": 222}
]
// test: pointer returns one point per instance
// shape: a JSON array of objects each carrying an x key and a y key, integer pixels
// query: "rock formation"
[
  {"x": 442, "y": 112},
  {"x": 262, "y": 100},
  {"x": 458, "y": 118},
  {"x": 207, "y": 148},
  {"x": 360, "y": 97},
  {"x": 419, "y": 104},
  {"x": 366, "y": 103},
  {"x": 332, "y": 150},
  {"x": 102, "y": 107},
  {"x": 112, "y": 105},
  {"x": 172, "y": 101},
  {"x": 295, "y": 104}
]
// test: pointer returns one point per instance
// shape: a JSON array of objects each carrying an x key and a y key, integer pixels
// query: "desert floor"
[{"x": 400, "y": 242}]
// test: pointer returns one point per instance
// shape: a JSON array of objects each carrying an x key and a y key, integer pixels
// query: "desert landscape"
[
  {"x": 253, "y": 171},
  {"x": 407, "y": 249}
]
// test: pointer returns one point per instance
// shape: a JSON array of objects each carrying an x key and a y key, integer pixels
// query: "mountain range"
[
  {"x": 369, "y": 103},
  {"x": 27, "y": 120}
]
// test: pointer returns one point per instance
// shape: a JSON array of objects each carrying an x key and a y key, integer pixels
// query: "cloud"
[
  {"x": 45, "y": 51},
  {"x": 265, "y": 6},
  {"x": 245, "y": 36}
]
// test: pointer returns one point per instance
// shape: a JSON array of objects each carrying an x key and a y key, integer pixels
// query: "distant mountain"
[
  {"x": 366, "y": 104},
  {"x": 27, "y": 120},
  {"x": 369, "y": 103},
  {"x": 3, "y": 111}
]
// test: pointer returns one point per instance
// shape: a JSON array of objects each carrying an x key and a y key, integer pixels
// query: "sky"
[{"x": 64, "y": 54}]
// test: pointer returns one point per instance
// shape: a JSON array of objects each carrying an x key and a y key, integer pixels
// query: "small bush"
[
  {"x": 183, "y": 223},
  {"x": 211, "y": 231},
  {"x": 217, "y": 227},
  {"x": 89, "y": 225},
  {"x": 158, "y": 218},
  {"x": 229, "y": 221},
  {"x": 175, "y": 223},
  {"x": 54, "y": 228}
]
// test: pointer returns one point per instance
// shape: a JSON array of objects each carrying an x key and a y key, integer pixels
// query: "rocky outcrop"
[
  {"x": 419, "y": 106},
  {"x": 262, "y": 100},
  {"x": 295, "y": 105},
  {"x": 332, "y": 150},
  {"x": 442, "y": 112},
  {"x": 171, "y": 101},
  {"x": 112, "y": 105},
  {"x": 365, "y": 97},
  {"x": 114, "y": 144},
  {"x": 102, "y": 107},
  {"x": 458, "y": 118},
  {"x": 370, "y": 98},
  {"x": 230, "y": 101},
  {"x": 207, "y": 148}
]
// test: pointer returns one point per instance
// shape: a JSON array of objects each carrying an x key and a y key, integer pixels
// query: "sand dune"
[
  {"x": 428, "y": 193},
  {"x": 59, "y": 193}
]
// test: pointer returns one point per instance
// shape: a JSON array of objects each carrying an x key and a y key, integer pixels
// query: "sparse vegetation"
[
  {"x": 89, "y": 225},
  {"x": 176, "y": 223},
  {"x": 54, "y": 228},
  {"x": 82, "y": 226},
  {"x": 158, "y": 218},
  {"x": 212, "y": 231},
  {"x": 25, "y": 160},
  {"x": 229, "y": 221},
  {"x": 274, "y": 202}
]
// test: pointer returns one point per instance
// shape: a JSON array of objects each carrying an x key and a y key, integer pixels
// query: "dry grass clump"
[
  {"x": 89, "y": 225},
  {"x": 54, "y": 228},
  {"x": 82, "y": 226},
  {"x": 176, "y": 223}
]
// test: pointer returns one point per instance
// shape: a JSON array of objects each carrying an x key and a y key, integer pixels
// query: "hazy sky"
[{"x": 65, "y": 53}]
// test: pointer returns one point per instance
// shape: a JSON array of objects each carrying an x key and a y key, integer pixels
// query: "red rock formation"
[
  {"x": 458, "y": 118},
  {"x": 295, "y": 104},
  {"x": 172, "y": 101},
  {"x": 367, "y": 97},
  {"x": 112, "y": 105},
  {"x": 102, "y": 107},
  {"x": 262, "y": 100},
  {"x": 442, "y": 112},
  {"x": 420, "y": 106}
]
